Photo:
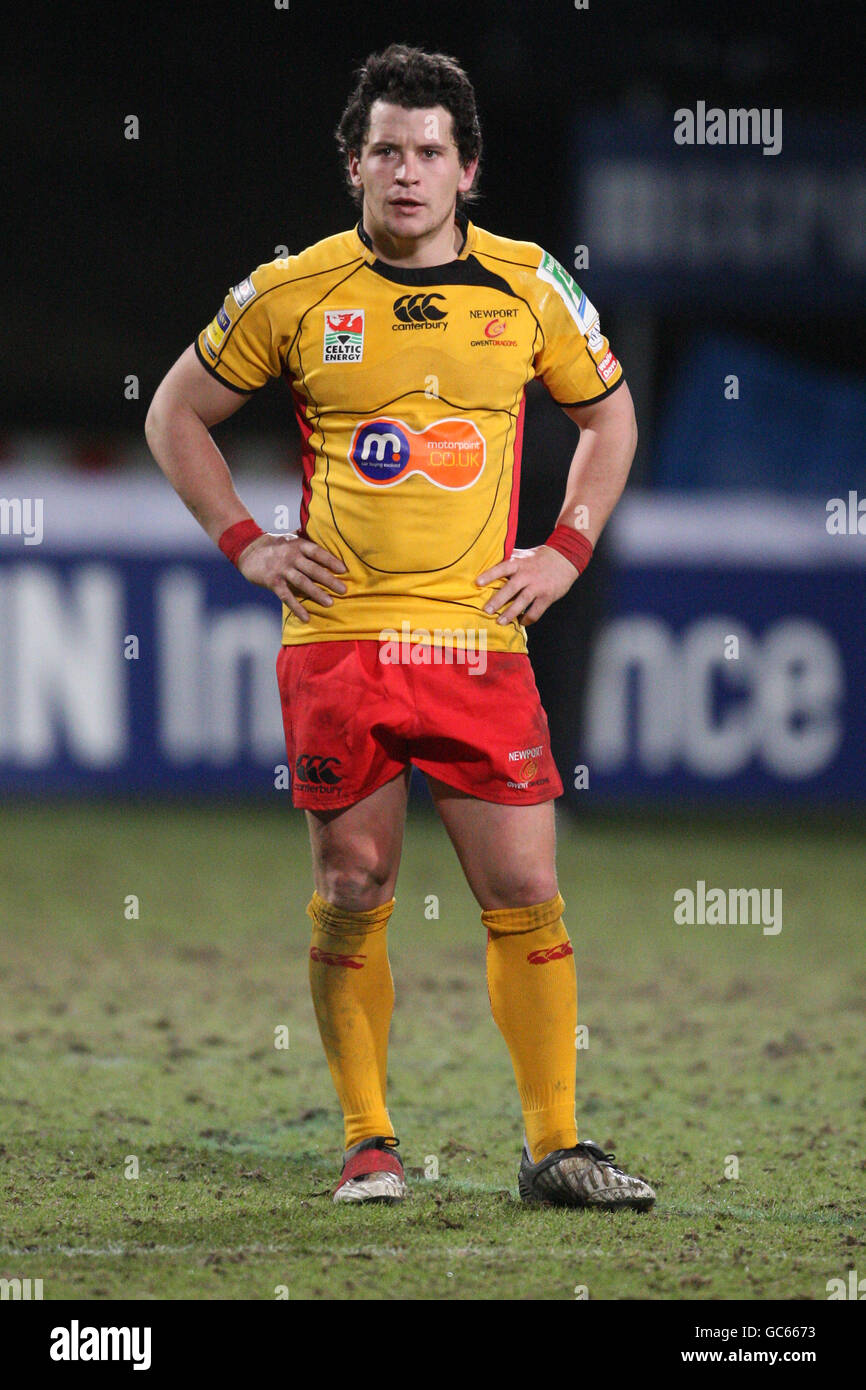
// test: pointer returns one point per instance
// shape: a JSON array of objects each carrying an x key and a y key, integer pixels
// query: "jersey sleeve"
[
  {"x": 241, "y": 346},
  {"x": 575, "y": 360}
]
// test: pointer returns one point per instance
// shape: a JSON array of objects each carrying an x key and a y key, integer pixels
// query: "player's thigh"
[
  {"x": 356, "y": 850},
  {"x": 508, "y": 853}
]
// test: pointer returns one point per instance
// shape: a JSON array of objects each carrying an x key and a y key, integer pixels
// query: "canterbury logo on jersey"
[
  {"x": 418, "y": 311},
  {"x": 450, "y": 453},
  {"x": 313, "y": 768},
  {"x": 334, "y": 958},
  {"x": 550, "y": 953}
]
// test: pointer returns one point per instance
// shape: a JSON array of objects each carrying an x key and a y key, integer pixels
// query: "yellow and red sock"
[
  {"x": 353, "y": 996},
  {"x": 533, "y": 996}
]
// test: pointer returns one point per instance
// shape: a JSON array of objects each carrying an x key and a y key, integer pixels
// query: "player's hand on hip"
[
  {"x": 534, "y": 579},
  {"x": 294, "y": 569}
]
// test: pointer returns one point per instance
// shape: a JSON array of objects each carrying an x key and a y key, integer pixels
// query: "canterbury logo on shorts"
[
  {"x": 313, "y": 768},
  {"x": 550, "y": 953}
]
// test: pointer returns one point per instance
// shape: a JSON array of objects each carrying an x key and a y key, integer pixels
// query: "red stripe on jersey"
[
  {"x": 308, "y": 457},
  {"x": 511, "y": 533}
]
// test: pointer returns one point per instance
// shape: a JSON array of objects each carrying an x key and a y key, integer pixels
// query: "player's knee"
[
  {"x": 523, "y": 890},
  {"x": 356, "y": 887}
]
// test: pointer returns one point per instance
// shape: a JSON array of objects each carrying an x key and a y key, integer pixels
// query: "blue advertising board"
[
  {"x": 729, "y": 666},
  {"x": 139, "y": 660},
  {"x": 735, "y": 208}
]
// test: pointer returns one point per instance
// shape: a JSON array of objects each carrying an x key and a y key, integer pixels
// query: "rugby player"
[{"x": 407, "y": 343}]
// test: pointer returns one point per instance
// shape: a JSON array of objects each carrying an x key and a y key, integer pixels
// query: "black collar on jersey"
[{"x": 467, "y": 271}]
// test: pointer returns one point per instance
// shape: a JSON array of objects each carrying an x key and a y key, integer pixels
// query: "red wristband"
[
  {"x": 235, "y": 539},
  {"x": 572, "y": 544}
]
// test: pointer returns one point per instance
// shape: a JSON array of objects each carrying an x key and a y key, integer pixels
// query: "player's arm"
[
  {"x": 186, "y": 405},
  {"x": 534, "y": 579},
  {"x": 601, "y": 462}
]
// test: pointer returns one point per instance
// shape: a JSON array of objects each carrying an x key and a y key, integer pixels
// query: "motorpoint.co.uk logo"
[{"x": 449, "y": 453}]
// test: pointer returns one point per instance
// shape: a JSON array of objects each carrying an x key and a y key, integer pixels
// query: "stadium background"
[{"x": 707, "y": 263}]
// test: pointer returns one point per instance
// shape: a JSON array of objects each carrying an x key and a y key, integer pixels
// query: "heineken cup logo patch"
[
  {"x": 344, "y": 335},
  {"x": 572, "y": 296}
]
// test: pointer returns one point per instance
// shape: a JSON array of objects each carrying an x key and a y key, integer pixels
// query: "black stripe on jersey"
[
  {"x": 356, "y": 267},
  {"x": 468, "y": 272},
  {"x": 452, "y": 273},
  {"x": 566, "y": 405},
  {"x": 241, "y": 390},
  {"x": 379, "y": 409},
  {"x": 572, "y": 405},
  {"x": 506, "y": 260},
  {"x": 514, "y": 294},
  {"x": 263, "y": 294}
]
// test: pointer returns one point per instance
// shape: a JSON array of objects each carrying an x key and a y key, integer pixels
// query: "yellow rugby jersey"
[{"x": 408, "y": 387}]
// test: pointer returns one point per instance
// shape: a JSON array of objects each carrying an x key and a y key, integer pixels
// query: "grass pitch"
[{"x": 158, "y": 1143}]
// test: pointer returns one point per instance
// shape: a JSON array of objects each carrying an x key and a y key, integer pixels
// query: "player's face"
[{"x": 410, "y": 172}]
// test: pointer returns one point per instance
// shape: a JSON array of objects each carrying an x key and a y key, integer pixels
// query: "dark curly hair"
[{"x": 413, "y": 79}]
